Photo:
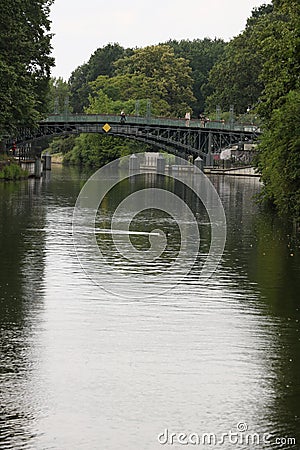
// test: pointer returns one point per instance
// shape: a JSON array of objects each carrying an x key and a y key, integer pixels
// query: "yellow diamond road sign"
[{"x": 106, "y": 128}]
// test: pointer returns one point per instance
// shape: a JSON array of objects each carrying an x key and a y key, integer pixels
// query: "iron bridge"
[{"x": 176, "y": 136}]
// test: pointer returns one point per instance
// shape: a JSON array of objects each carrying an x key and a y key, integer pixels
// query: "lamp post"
[
  {"x": 137, "y": 108},
  {"x": 148, "y": 109},
  {"x": 231, "y": 115}
]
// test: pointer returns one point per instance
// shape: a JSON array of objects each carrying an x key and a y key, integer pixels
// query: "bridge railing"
[
  {"x": 156, "y": 121},
  {"x": 109, "y": 118}
]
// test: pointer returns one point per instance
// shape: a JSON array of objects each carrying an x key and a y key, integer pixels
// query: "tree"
[
  {"x": 25, "y": 62},
  {"x": 202, "y": 56},
  {"x": 280, "y": 49},
  {"x": 79, "y": 88},
  {"x": 100, "y": 63},
  {"x": 111, "y": 95},
  {"x": 58, "y": 95},
  {"x": 94, "y": 150},
  {"x": 279, "y": 155},
  {"x": 155, "y": 72},
  {"x": 235, "y": 79}
]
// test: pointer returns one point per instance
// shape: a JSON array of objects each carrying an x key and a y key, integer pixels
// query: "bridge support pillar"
[
  {"x": 47, "y": 162},
  {"x": 199, "y": 163},
  {"x": 38, "y": 168},
  {"x": 209, "y": 159},
  {"x": 134, "y": 164},
  {"x": 160, "y": 164}
]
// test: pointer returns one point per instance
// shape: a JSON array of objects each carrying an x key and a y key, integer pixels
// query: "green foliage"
[
  {"x": 281, "y": 49},
  {"x": 100, "y": 63},
  {"x": 62, "y": 144},
  {"x": 141, "y": 75},
  {"x": 202, "y": 56},
  {"x": 111, "y": 95},
  {"x": 58, "y": 100},
  {"x": 279, "y": 157},
  {"x": 235, "y": 79},
  {"x": 116, "y": 79},
  {"x": 79, "y": 88},
  {"x": 279, "y": 108},
  {"x": 155, "y": 72},
  {"x": 93, "y": 150},
  {"x": 261, "y": 67},
  {"x": 12, "y": 171},
  {"x": 24, "y": 62}
]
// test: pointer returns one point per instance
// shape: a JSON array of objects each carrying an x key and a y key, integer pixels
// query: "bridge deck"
[{"x": 152, "y": 121}]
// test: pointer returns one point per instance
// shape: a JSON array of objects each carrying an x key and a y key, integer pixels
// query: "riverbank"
[
  {"x": 57, "y": 158},
  {"x": 248, "y": 171},
  {"x": 11, "y": 171}
]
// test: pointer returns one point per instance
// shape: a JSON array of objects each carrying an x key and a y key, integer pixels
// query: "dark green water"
[{"x": 83, "y": 369}]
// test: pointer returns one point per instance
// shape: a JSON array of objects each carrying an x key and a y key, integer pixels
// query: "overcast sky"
[{"x": 82, "y": 26}]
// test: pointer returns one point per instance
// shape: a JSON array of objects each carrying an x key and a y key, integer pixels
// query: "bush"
[{"x": 12, "y": 171}]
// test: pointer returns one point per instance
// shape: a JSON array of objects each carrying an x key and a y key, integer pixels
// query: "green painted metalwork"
[
  {"x": 138, "y": 120},
  {"x": 172, "y": 135}
]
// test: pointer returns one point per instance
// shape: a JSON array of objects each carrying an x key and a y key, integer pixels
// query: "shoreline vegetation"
[{"x": 11, "y": 171}]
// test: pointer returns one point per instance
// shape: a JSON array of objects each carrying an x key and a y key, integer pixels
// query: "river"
[{"x": 203, "y": 365}]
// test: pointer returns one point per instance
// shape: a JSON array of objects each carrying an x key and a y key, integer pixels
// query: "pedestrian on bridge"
[
  {"x": 123, "y": 117},
  {"x": 187, "y": 118}
]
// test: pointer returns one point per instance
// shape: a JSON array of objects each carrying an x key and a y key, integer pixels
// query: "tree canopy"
[
  {"x": 281, "y": 49},
  {"x": 59, "y": 95},
  {"x": 279, "y": 107},
  {"x": 279, "y": 157},
  {"x": 260, "y": 69},
  {"x": 202, "y": 55},
  {"x": 112, "y": 60},
  {"x": 100, "y": 63},
  {"x": 235, "y": 79},
  {"x": 153, "y": 73},
  {"x": 25, "y": 62}
]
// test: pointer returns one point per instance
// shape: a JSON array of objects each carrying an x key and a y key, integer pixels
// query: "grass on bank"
[{"x": 11, "y": 171}]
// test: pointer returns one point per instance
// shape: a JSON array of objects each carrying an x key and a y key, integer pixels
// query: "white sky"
[{"x": 82, "y": 26}]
